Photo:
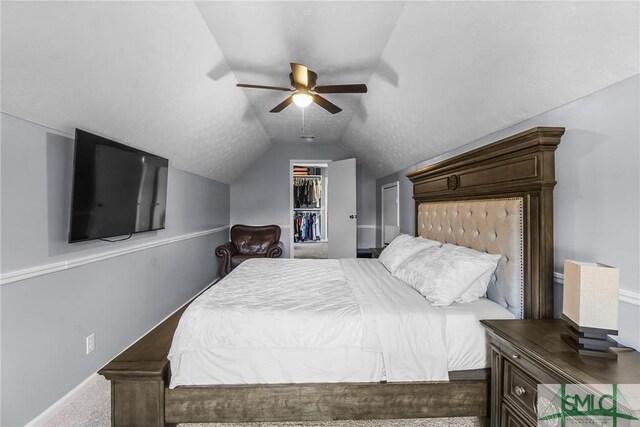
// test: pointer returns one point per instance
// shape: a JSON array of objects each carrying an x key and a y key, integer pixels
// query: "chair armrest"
[
  {"x": 275, "y": 251},
  {"x": 228, "y": 249},
  {"x": 226, "y": 252}
]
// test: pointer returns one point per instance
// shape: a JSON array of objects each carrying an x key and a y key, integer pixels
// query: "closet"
[{"x": 309, "y": 216}]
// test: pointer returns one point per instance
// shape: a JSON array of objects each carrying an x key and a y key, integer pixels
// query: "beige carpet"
[
  {"x": 92, "y": 408},
  {"x": 314, "y": 250}
]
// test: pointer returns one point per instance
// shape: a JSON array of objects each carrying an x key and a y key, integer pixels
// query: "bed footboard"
[
  {"x": 326, "y": 401},
  {"x": 139, "y": 377},
  {"x": 140, "y": 395}
]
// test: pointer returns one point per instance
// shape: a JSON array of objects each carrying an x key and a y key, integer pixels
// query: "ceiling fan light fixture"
[
  {"x": 305, "y": 91},
  {"x": 302, "y": 99}
]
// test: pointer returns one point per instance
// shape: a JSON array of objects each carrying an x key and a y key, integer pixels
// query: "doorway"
[
  {"x": 342, "y": 224},
  {"x": 309, "y": 209},
  {"x": 390, "y": 212}
]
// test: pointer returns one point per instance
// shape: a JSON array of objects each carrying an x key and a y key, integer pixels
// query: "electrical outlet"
[{"x": 91, "y": 343}]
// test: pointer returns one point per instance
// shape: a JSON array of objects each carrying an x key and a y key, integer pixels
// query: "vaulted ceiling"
[{"x": 162, "y": 75}]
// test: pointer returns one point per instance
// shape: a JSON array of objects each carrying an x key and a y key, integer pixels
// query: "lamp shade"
[{"x": 590, "y": 295}]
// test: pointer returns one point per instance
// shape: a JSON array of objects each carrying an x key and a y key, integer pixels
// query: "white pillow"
[
  {"x": 442, "y": 276},
  {"x": 401, "y": 248},
  {"x": 478, "y": 288}
]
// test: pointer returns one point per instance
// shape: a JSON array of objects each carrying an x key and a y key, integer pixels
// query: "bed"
[
  {"x": 497, "y": 199},
  {"x": 280, "y": 321}
]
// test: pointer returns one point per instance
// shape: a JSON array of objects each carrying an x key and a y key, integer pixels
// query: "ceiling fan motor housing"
[{"x": 312, "y": 78}]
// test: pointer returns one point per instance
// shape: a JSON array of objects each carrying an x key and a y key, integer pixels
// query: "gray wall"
[
  {"x": 45, "y": 319},
  {"x": 597, "y": 198},
  {"x": 261, "y": 194},
  {"x": 366, "y": 208}
]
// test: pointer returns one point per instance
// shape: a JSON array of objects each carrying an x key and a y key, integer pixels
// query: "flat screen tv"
[{"x": 117, "y": 190}]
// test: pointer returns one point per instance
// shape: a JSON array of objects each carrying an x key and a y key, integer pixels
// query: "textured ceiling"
[
  {"x": 162, "y": 75},
  {"x": 468, "y": 69},
  {"x": 341, "y": 41},
  {"x": 135, "y": 72}
]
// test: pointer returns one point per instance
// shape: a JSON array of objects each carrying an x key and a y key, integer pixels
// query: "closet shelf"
[{"x": 307, "y": 209}]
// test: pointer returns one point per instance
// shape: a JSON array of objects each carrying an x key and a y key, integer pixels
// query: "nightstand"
[
  {"x": 375, "y": 252},
  {"x": 525, "y": 353}
]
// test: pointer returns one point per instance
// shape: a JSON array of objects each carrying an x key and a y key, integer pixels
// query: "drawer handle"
[
  {"x": 519, "y": 390},
  {"x": 515, "y": 356}
]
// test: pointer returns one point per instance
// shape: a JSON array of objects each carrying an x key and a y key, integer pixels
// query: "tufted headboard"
[
  {"x": 498, "y": 198},
  {"x": 493, "y": 226}
]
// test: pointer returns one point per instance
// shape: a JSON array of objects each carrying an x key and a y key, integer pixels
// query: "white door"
[
  {"x": 341, "y": 218},
  {"x": 390, "y": 208}
]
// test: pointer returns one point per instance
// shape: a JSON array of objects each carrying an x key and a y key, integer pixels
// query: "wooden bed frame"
[{"x": 519, "y": 166}]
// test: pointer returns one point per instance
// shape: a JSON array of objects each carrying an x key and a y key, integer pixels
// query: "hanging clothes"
[
  {"x": 312, "y": 195},
  {"x": 317, "y": 192},
  {"x": 307, "y": 227},
  {"x": 317, "y": 228},
  {"x": 307, "y": 192}
]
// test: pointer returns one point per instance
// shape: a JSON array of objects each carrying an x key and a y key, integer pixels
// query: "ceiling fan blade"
[
  {"x": 300, "y": 74},
  {"x": 359, "y": 88},
  {"x": 284, "y": 89},
  {"x": 284, "y": 104},
  {"x": 329, "y": 106}
]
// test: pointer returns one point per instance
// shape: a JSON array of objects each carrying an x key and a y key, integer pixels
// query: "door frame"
[
  {"x": 309, "y": 163},
  {"x": 385, "y": 186}
]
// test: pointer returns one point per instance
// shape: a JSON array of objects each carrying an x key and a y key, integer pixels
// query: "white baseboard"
[
  {"x": 624, "y": 295},
  {"x": 54, "y": 409},
  {"x": 58, "y": 406}
]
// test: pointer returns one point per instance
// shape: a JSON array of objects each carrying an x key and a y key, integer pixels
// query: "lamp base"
[{"x": 590, "y": 341}]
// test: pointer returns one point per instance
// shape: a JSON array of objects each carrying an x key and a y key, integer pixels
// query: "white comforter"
[{"x": 318, "y": 304}]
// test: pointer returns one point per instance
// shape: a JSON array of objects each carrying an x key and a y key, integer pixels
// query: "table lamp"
[{"x": 590, "y": 307}]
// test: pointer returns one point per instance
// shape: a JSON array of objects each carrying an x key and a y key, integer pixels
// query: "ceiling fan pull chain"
[{"x": 302, "y": 133}]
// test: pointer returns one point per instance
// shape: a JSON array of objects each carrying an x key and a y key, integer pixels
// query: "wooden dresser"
[{"x": 525, "y": 353}]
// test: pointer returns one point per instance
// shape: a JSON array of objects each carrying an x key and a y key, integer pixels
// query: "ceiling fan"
[{"x": 305, "y": 90}]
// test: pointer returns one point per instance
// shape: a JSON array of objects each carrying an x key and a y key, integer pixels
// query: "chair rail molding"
[
  {"x": 40, "y": 270},
  {"x": 624, "y": 295}
]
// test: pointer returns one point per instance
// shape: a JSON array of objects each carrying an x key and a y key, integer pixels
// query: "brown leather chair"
[{"x": 248, "y": 242}]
